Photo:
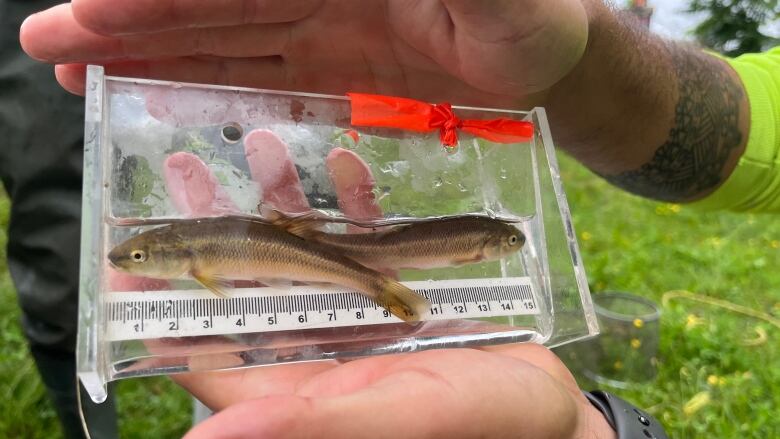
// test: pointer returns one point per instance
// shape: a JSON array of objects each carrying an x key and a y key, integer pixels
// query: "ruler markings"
[{"x": 134, "y": 315}]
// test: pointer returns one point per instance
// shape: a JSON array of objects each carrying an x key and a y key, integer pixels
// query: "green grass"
[
  {"x": 628, "y": 244},
  {"x": 148, "y": 408},
  {"x": 647, "y": 248}
]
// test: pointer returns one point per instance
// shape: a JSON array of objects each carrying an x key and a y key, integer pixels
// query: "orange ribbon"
[{"x": 409, "y": 114}]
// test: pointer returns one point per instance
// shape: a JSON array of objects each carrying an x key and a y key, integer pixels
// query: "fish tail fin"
[{"x": 402, "y": 302}]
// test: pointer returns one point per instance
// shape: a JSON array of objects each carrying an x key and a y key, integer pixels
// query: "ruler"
[{"x": 187, "y": 313}]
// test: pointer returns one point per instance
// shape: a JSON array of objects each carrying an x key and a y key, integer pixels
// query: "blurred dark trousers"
[{"x": 41, "y": 148}]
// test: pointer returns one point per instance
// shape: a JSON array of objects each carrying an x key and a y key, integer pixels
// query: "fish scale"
[{"x": 245, "y": 250}]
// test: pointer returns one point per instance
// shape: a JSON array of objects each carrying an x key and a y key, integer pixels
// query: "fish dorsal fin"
[
  {"x": 215, "y": 284},
  {"x": 305, "y": 225}
]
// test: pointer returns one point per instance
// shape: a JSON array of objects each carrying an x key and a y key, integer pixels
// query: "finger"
[
  {"x": 72, "y": 77},
  {"x": 116, "y": 17},
  {"x": 242, "y": 72},
  {"x": 415, "y": 401},
  {"x": 272, "y": 167},
  {"x": 193, "y": 188},
  {"x": 354, "y": 184},
  {"x": 59, "y": 39}
]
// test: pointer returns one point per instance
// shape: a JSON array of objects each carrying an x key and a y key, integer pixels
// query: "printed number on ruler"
[{"x": 136, "y": 315}]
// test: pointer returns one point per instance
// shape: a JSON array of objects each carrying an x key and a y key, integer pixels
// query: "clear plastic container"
[{"x": 143, "y": 142}]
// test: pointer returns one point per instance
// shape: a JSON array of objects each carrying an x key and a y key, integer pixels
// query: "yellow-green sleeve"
[{"x": 754, "y": 186}]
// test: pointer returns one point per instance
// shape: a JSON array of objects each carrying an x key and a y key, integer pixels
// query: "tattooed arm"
[{"x": 660, "y": 119}]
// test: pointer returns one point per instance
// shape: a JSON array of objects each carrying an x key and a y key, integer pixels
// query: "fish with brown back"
[
  {"x": 214, "y": 251},
  {"x": 434, "y": 243}
]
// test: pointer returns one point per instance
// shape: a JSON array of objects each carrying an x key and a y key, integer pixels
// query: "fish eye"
[
  {"x": 513, "y": 240},
  {"x": 138, "y": 255}
]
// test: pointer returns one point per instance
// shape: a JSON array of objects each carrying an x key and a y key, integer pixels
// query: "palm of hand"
[
  {"x": 478, "y": 53},
  {"x": 507, "y": 391}
]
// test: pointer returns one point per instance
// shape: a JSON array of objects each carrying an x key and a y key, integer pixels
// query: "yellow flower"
[
  {"x": 775, "y": 243},
  {"x": 693, "y": 321},
  {"x": 635, "y": 343},
  {"x": 712, "y": 380},
  {"x": 586, "y": 236},
  {"x": 694, "y": 404},
  {"x": 667, "y": 209},
  {"x": 618, "y": 365},
  {"x": 639, "y": 323}
]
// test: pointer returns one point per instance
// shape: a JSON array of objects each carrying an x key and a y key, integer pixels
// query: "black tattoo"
[{"x": 705, "y": 133}]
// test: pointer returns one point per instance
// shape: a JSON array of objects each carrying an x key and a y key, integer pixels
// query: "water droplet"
[
  {"x": 396, "y": 169},
  {"x": 381, "y": 192},
  {"x": 503, "y": 174},
  {"x": 452, "y": 149}
]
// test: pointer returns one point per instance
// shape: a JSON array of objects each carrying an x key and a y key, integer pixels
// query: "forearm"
[{"x": 659, "y": 119}]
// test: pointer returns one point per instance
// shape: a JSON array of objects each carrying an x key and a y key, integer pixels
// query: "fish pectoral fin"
[
  {"x": 215, "y": 284},
  {"x": 305, "y": 225},
  {"x": 281, "y": 284}
]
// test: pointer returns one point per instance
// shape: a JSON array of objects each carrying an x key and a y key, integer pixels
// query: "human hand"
[
  {"x": 519, "y": 391},
  {"x": 479, "y": 53}
]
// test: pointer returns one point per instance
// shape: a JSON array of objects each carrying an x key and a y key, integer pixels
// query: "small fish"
[
  {"x": 215, "y": 250},
  {"x": 436, "y": 243}
]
